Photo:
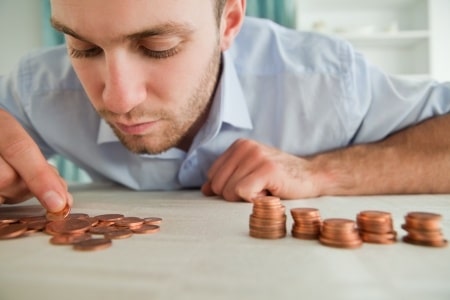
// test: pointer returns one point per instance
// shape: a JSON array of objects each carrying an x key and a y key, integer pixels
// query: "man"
[{"x": 200, "y": 97}]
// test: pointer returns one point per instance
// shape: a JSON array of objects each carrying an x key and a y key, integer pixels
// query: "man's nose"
[{"x": 124, "y": 84}]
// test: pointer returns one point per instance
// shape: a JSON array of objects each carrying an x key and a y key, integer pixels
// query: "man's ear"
[{"x": 231, "y": 22}]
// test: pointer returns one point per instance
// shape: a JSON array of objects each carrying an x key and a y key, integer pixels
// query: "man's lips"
[{"x": 136, "y": 129}]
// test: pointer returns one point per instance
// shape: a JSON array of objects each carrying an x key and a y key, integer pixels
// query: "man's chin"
[{"x": 141, "y": 147}]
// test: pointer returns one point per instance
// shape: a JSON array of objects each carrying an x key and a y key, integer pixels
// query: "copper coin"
[
  {"x": 267, "y": 235},
  {"x": 68, "y": 226},
  {"x": 92, "y": 244},
  {"x": 77, "y": 216},
  {"x": 109, "y": 217},
  {"x": 339, "y": 223},
  {"x": 60, "y": 215},
  {"x": 69, "y": 239},
  {"x": 12, "y": 231},
  {"x": 276, "y": 227},
  {"x": 8, "y": 220},
  {"x": 264, "y": 222},
  {"x": 340, "y": 244},
  {"x": 305, "y": 236},
  {"x": 425, "y": 236},
  {"x": 266, "y": 201},
  {"x": 119, "y": 234},
  {"x": 374, "y": 238},
  {"x": 152, "y": 221},
  {"x": 28, "y": 219},
  {"x": 423, "y": 220},
  {"x": 438, "y": 244},
  {"x": 305, "y": 212},
  {"x": 129, "y": 222},
  {"x": 102, "y": 230},
  {"x": 146, "y": 229},
  {"x": 38, "y": 225}
]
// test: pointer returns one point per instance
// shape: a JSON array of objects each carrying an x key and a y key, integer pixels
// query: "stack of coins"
[
  {"x": 424, "y": 229},
  {"x": 78, "y": 229},
  {"x": 268, "y": 219},
  {"x": 340, "y": 233},
  {"x": 306, "y": 224},
  {"x": 376, "y": 227}
]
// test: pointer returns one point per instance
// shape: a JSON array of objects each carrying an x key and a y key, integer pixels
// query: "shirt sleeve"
[
  {"x": 15, "y": 93},
  {"x": 381, "y": 104}
]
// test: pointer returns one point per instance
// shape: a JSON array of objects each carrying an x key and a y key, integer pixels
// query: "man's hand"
[
  {"x": 24, "y": 172},
  {"x": 415, "y": 160},
  {"x": 249, "y": 169}
]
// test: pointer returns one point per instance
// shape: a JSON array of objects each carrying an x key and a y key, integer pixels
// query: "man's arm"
[{"x": 414, "y": 160}]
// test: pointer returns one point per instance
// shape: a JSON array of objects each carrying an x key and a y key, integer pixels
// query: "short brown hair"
[{"x": 220, "y": 4}]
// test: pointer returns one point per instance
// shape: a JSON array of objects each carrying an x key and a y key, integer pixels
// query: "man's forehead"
[{"x": 124, "y": 18}]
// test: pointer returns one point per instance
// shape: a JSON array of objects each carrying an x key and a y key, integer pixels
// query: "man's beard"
[{"x": 179, "y": 128}]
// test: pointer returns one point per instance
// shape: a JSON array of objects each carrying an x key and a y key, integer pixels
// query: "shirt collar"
[
  {"x": 229, "y": 106},
  {"x": 233, "y": 104}
]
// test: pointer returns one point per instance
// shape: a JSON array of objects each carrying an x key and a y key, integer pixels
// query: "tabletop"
[{"x": 203, "y": 251}]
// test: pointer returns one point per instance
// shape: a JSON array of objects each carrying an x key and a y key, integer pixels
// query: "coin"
[
  {"x": 60, "y": 215},
  {"x": 152, "y": 221},
  {"x": 424, "y": 229},
  {"x": 307, "y": 223},
  {"x": 68, "y": 226},
  {"x": 12, "y": 231},
  {"x": 119, "y": 234},
  {"x": 376, "y": 227},
  {"x": 146, "y": 229},
  {"x": 129, "y": 222},
  {"x": 268, "y": 218},
  {"x": 93, "y": 244},
  {"x": 109, "y": 217},
  {"x": 340, "y": 233},
  {"x": 69, "y": 239},
  {"x": 74, "y": 227}
]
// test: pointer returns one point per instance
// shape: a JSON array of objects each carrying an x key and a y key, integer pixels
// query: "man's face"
[{"x": 149, "y": 67}]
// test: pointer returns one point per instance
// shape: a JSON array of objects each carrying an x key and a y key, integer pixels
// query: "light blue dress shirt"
[{"x": 301, "y": 92}]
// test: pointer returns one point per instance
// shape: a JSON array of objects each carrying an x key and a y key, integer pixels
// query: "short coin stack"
[
  {"x": 424, "y": 229},
  {"x": 340, "y": 233},
  {"x": 78, "y": 229},
  {"x": 307, "y": 223},
  {"x": 268, "y": 218},
  {"x": 376, "y": 227}
]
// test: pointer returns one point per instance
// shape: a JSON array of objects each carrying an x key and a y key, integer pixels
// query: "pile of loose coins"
[
  {"x": 82, "y": 232},
  {"x": 268, "y": 221}
]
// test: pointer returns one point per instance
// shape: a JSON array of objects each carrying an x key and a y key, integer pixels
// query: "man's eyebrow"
[
  {"x": 64, "y": 29},
  {"x": 165, "y": 29}
]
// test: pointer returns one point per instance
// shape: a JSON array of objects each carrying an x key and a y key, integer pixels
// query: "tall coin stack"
[
  {"x": 376, "y": 227},
  {"x": 424, "y": 229},
  {"x": 340, "y": 233},
  {"x": 306, "y": 224},
  {"x": 268, "y": 218}
]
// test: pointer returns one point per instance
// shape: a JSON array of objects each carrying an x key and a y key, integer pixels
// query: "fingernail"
[{"x": 53, "y": 201}]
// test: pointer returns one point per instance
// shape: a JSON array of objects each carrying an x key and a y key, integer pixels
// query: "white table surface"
[{"x": 203, "y": 251}]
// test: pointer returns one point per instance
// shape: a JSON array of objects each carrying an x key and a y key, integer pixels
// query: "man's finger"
[{"x": 19, "y": 150}]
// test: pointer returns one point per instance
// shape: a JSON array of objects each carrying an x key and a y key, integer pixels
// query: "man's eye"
[
  {"x": 75, "y": 53},
  {"x": 160, "y": 54}
]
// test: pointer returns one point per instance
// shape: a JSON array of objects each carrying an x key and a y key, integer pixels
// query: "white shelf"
[
  {"x": 407, "y": 37},
  {"x": 387, "y": 39}
]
